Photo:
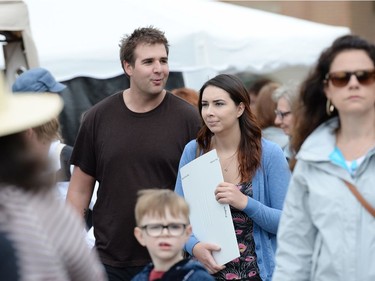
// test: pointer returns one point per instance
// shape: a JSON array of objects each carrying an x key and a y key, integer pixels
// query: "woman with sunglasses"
[{"x": 325, "y": 232}]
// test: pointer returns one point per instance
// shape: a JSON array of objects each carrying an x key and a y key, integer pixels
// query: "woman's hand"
[
  {"x": 228, "y": 193},
  {"x": 203, "y": 253}
]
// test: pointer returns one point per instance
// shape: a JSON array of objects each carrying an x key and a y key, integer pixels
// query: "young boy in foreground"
[{"x": 163, "y": 227}]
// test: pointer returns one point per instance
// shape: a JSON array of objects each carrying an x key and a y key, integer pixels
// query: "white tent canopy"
[
  {"x": 80, "y": 38},
  {"x": 16, "y": 38}
]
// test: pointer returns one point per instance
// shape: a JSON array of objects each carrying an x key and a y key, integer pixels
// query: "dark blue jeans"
[{"x": 122, "y": 273}]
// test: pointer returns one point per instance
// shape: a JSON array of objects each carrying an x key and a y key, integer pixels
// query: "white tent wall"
[
  {"x": 80, "y": 38},
  {"x": 18, "y": 46},
  {"x": 77, "y": 40}
]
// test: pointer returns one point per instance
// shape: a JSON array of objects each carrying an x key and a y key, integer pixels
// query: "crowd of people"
[{"x": 296, "y": 162}]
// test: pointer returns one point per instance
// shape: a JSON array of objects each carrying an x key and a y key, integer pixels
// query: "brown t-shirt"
[{"x": 125, "y": 152}]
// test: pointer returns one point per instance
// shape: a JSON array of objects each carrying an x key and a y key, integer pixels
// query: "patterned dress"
[{"x": 245, "y": 267}]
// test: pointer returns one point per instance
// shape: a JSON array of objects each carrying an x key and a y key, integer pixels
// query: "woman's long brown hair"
[{"x": 250, "y": 148}]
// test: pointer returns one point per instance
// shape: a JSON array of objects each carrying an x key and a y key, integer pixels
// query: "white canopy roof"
[
  {"x": 80, "y": 37},
  {"x": 18, "y": 46}
]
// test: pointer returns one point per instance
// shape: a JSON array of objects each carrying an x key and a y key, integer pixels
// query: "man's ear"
[
  {"x": 139, "y": 236},
  {"x": 128, "y": 68}
]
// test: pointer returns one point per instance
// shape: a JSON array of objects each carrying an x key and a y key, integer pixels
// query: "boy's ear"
[
  {"x": 139, "y": 236},
  {"x": 188, "y": 231}
]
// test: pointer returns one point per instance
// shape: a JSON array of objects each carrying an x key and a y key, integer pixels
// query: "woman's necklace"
[
  {"x": 230, "y": 162},
  {"x": 230, "y": 158}
]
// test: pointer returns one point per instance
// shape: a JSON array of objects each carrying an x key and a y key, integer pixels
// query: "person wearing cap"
[
  {"x": 37, "y": 80},
  {"x": 41, "y": 80},
  {"x": 42, "y": 236}
]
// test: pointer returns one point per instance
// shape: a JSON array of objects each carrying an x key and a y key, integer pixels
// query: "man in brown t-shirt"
[{"x": 130, "y": 141}]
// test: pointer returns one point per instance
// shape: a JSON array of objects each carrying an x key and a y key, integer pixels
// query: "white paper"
[{"x": 211, "y": 221}]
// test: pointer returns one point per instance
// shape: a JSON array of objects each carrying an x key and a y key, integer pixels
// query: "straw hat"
[{"x": 26, "y": 110}]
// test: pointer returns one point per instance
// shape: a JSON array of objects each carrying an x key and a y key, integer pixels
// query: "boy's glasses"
[
  {"x": 174, "y": 229},
  {"x": 282, "y": 114},
  {"x": 341, "y": 78}
]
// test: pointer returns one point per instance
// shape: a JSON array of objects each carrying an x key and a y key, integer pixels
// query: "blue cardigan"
[{"x": 270, "y": 184}]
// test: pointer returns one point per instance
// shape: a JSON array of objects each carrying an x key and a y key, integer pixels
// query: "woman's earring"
[{"x": 329, "y": 107}]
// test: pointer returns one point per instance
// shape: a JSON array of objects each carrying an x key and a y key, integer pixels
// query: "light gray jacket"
[{"x": 325, "y": 234}]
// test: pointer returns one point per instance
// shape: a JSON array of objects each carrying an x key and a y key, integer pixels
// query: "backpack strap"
[{"x": 360, "y": 198}]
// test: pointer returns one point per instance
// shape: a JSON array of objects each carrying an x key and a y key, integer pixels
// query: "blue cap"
[{"x": 37, "y": 80}]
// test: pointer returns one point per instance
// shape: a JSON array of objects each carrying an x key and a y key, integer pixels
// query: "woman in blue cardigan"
[{"x": 256, "y": 176}]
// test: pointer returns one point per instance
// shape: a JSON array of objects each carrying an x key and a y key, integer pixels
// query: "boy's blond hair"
[{"x": 157, "y": 201}]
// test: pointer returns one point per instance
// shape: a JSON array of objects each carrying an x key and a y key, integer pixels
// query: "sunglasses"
[{"x": 341, "y": 78}]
